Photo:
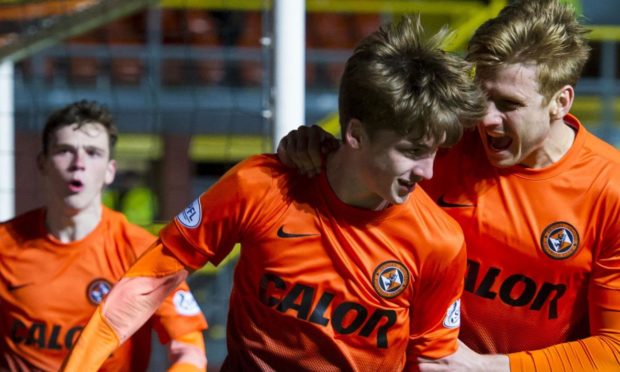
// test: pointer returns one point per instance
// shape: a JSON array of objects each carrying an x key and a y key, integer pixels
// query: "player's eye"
[
  {"x": 507, "y": 105},
  {"x": 94, "y": 152},
  {"x": 418, "y": 152},
  {"x": 62, "y": 150}
]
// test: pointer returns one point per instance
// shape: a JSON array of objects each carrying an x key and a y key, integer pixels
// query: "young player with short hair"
[{"x": 58, "y": 262}]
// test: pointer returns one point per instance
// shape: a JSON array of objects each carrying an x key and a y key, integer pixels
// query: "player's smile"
[
  {"x": 516, "y": 127},
  {"x": 407, "y": 185},
  {"x": 395, "y": 164}
]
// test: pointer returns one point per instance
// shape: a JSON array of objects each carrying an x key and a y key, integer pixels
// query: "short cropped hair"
[
  {"x": 544, "y": 33},
  {"x": 80, "y": 113},
  {"x": 398, "y": 80}
]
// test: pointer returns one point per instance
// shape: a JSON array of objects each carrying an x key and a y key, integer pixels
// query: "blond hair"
[{"x": 545, "y": 33}]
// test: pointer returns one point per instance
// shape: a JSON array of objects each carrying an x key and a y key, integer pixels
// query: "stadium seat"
[
  {"x": 203, "y": 32},
  {"x": 129, "y": 31},
  {"x": 84, "y": 70},
  {"x": 251, "y": 71},
  {"x": 328, "y": 31}
]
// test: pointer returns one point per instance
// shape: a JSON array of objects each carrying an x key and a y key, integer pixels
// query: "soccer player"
[
  {"x": 538, "y": 198},
  {"x": 354, "y": 270},
  {"x": 59, "y": 261}
]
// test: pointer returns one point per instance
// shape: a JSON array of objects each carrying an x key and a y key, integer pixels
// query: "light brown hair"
[{"x": 398, "y": 80}]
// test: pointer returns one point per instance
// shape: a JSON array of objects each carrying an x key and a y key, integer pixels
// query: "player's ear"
[
  {"x": 110, "y": 171},
  {"x": 561, "y": 102},
  {"x": 354, "y": 135}
]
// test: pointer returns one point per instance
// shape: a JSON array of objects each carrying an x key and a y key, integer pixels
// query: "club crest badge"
[
  {"x": 97, "y": 290},
  {"x": 390, "y": 279},
  {"x": 560, "y": 240}
]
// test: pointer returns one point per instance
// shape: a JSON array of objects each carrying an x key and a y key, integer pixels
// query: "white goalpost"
[
  {"x": 289, "y": 63},
  {"x": 7, "y": 142}
]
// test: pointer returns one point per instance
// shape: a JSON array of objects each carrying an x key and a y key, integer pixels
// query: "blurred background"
[{"x": 191, "y": 84}]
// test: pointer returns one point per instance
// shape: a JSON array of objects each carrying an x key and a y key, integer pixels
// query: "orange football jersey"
[
  {"x": 49, "y": 291},
  {"x": 321, "y": 285},
  {"x": 543, "y": 245}
]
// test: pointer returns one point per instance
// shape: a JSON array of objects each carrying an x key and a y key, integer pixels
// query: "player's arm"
[
  {"x": 128, "y": 306},
  {"x": 600, "y": 352},
  {"x": 434, "y": 330},
  {"x": 304, "y": 147},
  {"x": 465, "y": 359},
  {"x": 597, "y": 353},
  {"x": 179, "y": 324},
  {"x": 187, "y": 353},
  {"x": 443, "y": 352}
]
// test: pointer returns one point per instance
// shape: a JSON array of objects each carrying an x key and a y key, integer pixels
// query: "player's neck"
[
  {"x": 343, "y": 178},
  {"x": 67, "y": 225},
  {"x": 558, "y": 143}
]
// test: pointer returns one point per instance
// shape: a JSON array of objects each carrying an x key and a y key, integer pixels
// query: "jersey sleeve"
[
  {"x": 596, "y": 353},
  {"x": 601, "y": 351},
  {"x": 604, "y": 288},
  {"x": 208, "y": 229},
  {"x": 436, "y": 313},
  {"x": 178, "y": 315}
]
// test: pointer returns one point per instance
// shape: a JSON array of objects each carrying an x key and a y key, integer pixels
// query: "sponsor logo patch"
[
  {"x": 560, "y": 240},
  {"x": 390, "y": 279},
  {"x": 185, "y": 303},
  {"x": 191, "y": 216},
  {"x": 97, "y": 290},
  {"x": 453, "y": 315}
]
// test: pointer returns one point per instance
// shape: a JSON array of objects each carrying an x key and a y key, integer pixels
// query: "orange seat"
[
  {"x": 364, "y": 24},
  {"x": 203, "y": 31},
  {"x": 84, "y": 70},
  {"x": 331, "y": 31},
  {"x": 251, "y": 72},
  {"x": 127, "y": 31}
]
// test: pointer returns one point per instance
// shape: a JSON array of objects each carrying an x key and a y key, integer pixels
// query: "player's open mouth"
[
  {"x": 407, "y": 184},
  {"x": 499, "y": 143},
  {"x": 75, "y": 185}
]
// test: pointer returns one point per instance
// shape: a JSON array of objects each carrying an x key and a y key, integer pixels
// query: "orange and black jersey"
[
  {"x": 49, "y": 290},
  {"x": 321, "y": 285},
  {"x": 543, "y": 245}
]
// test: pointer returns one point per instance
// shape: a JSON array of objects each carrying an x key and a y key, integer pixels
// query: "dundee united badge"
[
  {"x": 559, "y": 240},
  {"x": 390, "y": 279},
  {"x": 97, "y": 290}
]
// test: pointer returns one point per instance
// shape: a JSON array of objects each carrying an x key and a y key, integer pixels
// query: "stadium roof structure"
[{"x": 27, "y": 26}]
